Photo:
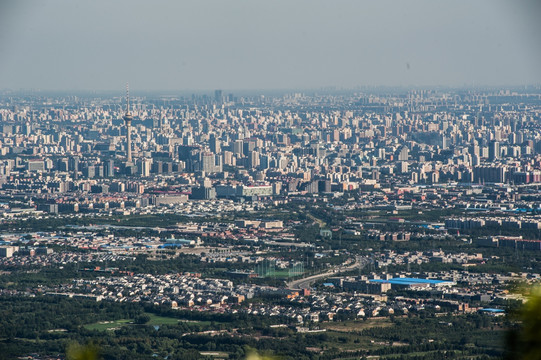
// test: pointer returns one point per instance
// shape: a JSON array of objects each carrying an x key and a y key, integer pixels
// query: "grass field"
[
  {"x": 357, "y": 325},
  {"x": 108, "y": 325},
  {"x": 281, "y": 274},
  {"x": 161, "y": 320},
  {"x": 111, "y": 325}
]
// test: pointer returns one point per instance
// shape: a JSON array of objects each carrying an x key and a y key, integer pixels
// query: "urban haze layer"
[{"x": 368, "y": 224}]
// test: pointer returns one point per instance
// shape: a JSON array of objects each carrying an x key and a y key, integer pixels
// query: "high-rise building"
[
  {"x": 253, "y": 159},
  {"x": 264, "y": 161},
  {"x": 109, "y": 168},
  {"x": 145, "y": 166},
  {"x": 210, "y": 163},
  {"x": 238, "y": 147},
  {"x": 403, "y": 154},
  {"x": 207, "y": 162},
  {"x": 494, "y": 151},
  {"x": 218, "y": 96},
  {"x": 128, "y": 117},
  {"x": 215, "y": 144},
  {"x": 248, "y": 145}
]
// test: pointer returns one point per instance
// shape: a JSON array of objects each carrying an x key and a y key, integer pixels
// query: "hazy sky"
[{"x": 273, "y": 44}]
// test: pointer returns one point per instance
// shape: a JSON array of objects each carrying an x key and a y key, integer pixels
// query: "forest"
[{"x": 49, "y": 325}]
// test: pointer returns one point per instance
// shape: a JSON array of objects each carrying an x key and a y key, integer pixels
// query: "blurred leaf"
[
  {"x": 76, "y": 351},
  {"x": 524, "y": 342}
]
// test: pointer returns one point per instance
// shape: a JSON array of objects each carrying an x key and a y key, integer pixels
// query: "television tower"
[{"x": 127, "y": 120}]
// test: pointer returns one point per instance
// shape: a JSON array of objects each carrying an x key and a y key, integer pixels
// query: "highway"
[{"x": 306, "y": 283}]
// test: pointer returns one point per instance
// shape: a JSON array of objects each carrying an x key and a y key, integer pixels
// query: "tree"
[
  {"x": 142, "y": 319},
  {"x": 523, "y": 341},
  {"x": 76, "y": 351}
]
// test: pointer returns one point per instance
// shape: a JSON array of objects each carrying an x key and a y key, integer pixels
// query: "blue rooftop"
[
  {"x": 492, "y": 310},
  {"x": 169, "y": 245}
]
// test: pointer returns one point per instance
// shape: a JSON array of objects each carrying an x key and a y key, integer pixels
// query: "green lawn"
[
  {"x": 161, "y": 320},
  {"x": 281, "y": 274},
  {"x": 357, "y": 325},
  {"x": 110, "y": 325}
]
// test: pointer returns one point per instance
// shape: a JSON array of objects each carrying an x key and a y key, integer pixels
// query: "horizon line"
[{"x": 285, "y": 89}]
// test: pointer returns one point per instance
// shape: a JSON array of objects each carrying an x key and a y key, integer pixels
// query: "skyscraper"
[
  {"x": 403, "y": 154},
  {"x": 127, "y": 120},
  {"x": 494, "y": 152},
  {"x": 218, "y": 96},
  {"x": 215, "y": 144}
]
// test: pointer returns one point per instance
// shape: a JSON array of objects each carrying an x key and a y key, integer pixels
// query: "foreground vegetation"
[{"x": 50, "y": 325}]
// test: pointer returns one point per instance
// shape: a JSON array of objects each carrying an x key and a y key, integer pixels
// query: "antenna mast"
[
  {"x": 127, "y": 98},
  {"x": 127, "y": 119}
]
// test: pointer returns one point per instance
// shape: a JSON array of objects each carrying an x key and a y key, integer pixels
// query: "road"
[{"x": 305, "y": 283}]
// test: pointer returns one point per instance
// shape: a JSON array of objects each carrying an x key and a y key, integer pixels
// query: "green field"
[
  {"x": 357, "y": 325},
  {"x": 281, "y": 274},
  {"x": 161, "y": 320},
  {"x": 108, "y": 325},
  {"x": 112, "y": 325}
]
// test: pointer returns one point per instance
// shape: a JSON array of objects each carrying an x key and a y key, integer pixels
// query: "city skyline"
[
  {"x": 303, "y": 213},
  {"x": 298, "y": 180}
]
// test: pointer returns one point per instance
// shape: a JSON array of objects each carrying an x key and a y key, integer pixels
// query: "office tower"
[
  {"x": 248, "y": 146},
  {"x": 145, "y": 166},
  {"x": 215, "y": 145},
  {"x": 403, "y": 167},
  {"x": 520, "y": 137},
  {"x": 74, "y": 166},
  {"x": 127, "y": 120},
  {"x": 218, "y": 96},
  {"x": 475, "y": 150},
  {"x": 403, "y": 154},
  {"x": 207, "y": 162},
  {"x": 490, "y": 174},
  {"x": 157, "y": 167},
  {"x": 228, "y": 158},
  {"x": 89, "y": 171},
  {"x": 494, "y": 151},
  {"x": 253, "y": 159},
  {"x": 109, "y": 168},
  {"x": 238, "y": 147},
  {"x": 264, "y": 161},
  {"x": 444, "y": 142},
  {"x": 187, "y": 140}
]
